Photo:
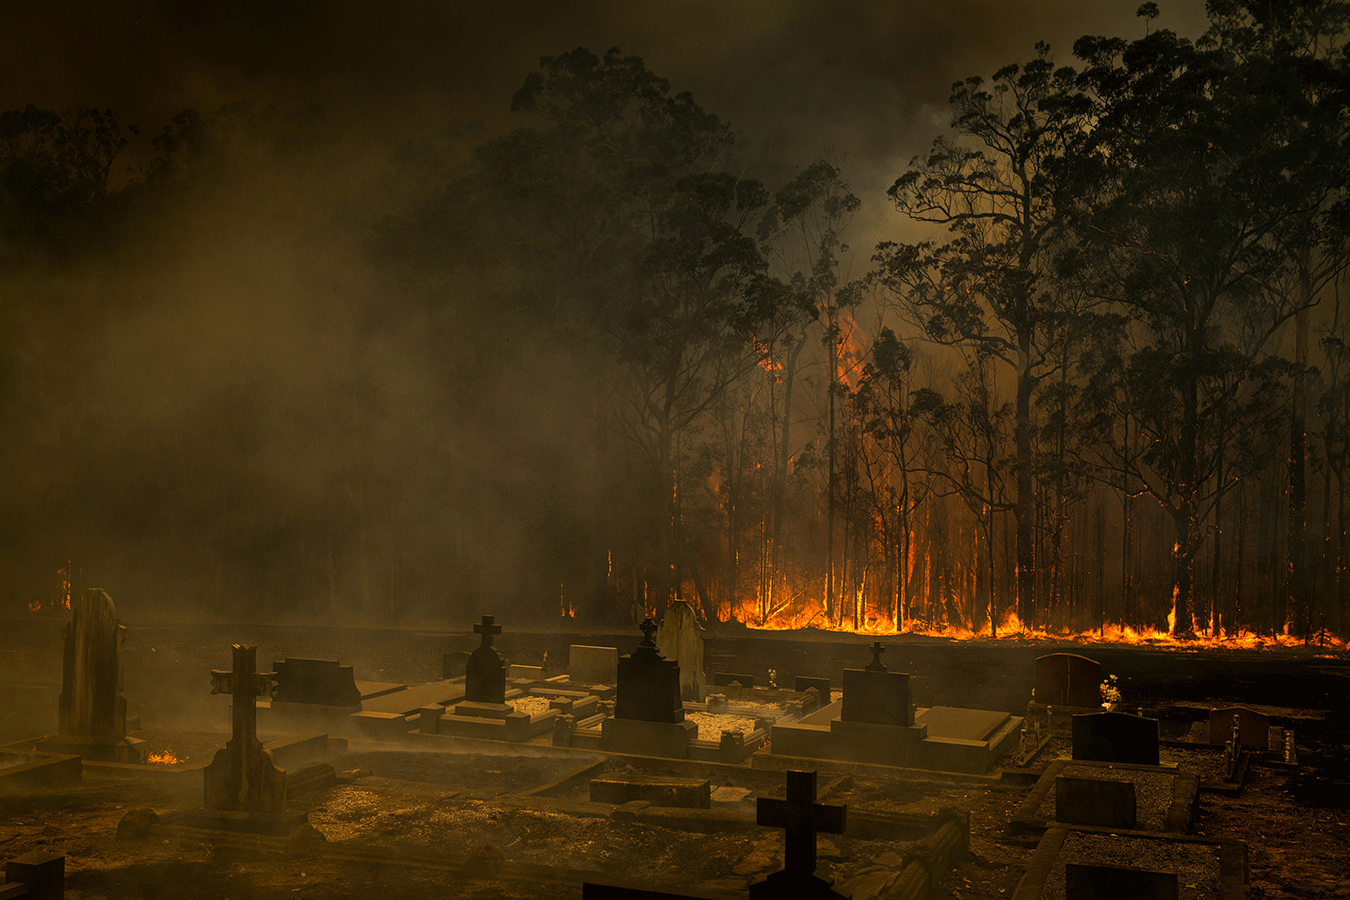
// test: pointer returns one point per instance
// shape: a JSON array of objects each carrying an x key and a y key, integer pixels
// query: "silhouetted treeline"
[{"x": 595, "y": 363}]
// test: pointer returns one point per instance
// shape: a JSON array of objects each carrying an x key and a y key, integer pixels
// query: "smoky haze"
[{"x": 224, "y": 393}]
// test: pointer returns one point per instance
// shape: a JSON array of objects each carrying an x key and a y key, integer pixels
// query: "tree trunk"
[
  {"x": 1025, "y": 504},
  {"x": 1298, "y": 611}
]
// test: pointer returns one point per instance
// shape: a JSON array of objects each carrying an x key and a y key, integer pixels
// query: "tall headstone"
[
  {"x": 801, "y": 818},
  {"x": 243, "y": 790},
  {"x": 1115, "y": 737},
  {"x": 316, "y": 681},
  {"x": 649, "y": 685},
  {"x": 680, "y": 640},
  {"x": 1066, "y": 679},
  {"x": 1253, "y": 727},
  {"x": 876, "y": 696},
  {"x": 593, "y": 665},
  {"x": 485, "y": 673},
  {"x": 93, "y": 712}
]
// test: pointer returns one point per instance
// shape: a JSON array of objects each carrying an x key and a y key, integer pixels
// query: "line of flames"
[{"x": 804, "y": 615}]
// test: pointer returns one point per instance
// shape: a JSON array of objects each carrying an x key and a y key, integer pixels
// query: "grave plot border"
[
  {"x": 1233, "y": 870},
  {"x": 42, "y": 769},
  {"x": 1180, "y": 817},
  {"x": 1228, "y": 787}
]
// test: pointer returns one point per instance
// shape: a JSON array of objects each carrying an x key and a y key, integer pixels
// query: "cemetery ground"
[{"x": 498, "y": 820}]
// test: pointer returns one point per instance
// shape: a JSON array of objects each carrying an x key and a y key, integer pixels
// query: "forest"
[{"x": 1096, "y": 379}]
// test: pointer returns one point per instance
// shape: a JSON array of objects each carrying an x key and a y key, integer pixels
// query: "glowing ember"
[{"x": 166, "y": 758}]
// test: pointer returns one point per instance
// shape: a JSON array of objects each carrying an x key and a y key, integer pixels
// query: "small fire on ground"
[{"x": 166, "y": 758}]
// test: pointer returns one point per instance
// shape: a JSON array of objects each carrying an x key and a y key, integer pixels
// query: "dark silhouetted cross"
[
  {"x": 877, "y": 649},
  {"x": 487, "y": 630},
  {"x": 648, "y": 629},
  {"x": 244, "y": 685},
  {"x": 802, "y": 817}
]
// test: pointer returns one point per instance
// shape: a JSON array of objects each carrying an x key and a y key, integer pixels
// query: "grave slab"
[
  {"x": 1107, "y": 802},
  {"x": 411, "y": 699},
  {"x": 1166, "y": 801},
  {"x": 1104, "y": 882},
  {"x": 24, "y": 771},
  {"x": 654, "y": 790}
]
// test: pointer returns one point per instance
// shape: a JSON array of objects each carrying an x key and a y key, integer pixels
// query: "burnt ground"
[{"x": 449, "y": 825}]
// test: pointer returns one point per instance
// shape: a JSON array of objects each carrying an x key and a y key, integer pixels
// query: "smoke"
[{"x": 233, "y": 405}]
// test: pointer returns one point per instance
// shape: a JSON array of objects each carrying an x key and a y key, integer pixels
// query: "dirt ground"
[{"x": 452, "y": 825}]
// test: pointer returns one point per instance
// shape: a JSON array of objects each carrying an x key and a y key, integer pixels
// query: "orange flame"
[{"x": 166, "y": 758}]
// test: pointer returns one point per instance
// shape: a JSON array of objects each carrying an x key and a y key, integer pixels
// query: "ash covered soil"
[{"x": 454, "y": 825}]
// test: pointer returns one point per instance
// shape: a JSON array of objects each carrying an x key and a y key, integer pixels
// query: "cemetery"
[{"x": 491, "y": 760}]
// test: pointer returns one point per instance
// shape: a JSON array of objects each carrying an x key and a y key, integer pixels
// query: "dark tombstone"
[
  {"x": 485, "y": 673},
  {"x": 876, "y": 696},
  {"x": 42, "y": 873},
  {"x": 1115, "y": 737},
  {"x": 722, "y": 679},
  {"x": 1065, "y": 679},
  {"x": 802, "y": 819},
  {"x": 93, "y": 713},
  {"x": 454, "y": 664},
  {"x": 318, "y": 681},
  {"x": 1109, "y": 803},
  {"x": 649, "y": 686},
  {"x": 1103, "y": 882},
  {"x": 243, "y": 788},
  {"x": 1253, "y": 728},
  {"x": 806, "y": 682}
]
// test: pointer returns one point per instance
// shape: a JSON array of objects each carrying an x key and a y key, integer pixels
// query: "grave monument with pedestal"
[
  {"x": 648, "y": 714},
  {"x": 876, "y": 722}
]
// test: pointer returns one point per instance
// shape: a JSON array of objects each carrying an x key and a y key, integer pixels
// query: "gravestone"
[
  {"x": 454, "y": 663},
  {"x": 1105, "y": 882},
  {"x": 593, "y": 665},
  {"x": 649, "y": 686},
  {"x": 317, "y": 681},
  {"x": 485, "y": 674},
  {"x": 1066, "y": 679},
  {"x": 1115, "y": 737},
  {"x": 648, "y": 714},
  {"x": 875, "y": 696},
  {"x": 1109, "y": 803},
  {"x": 806, "y": 682},
  {"x": 1253, "y": 728},
  {"x": 680, "y": 640},
  {"x": 41, "y": 872},
  {"x": 802, "y": 819},
  {"x": 92, "y": 711},
  {"x": 243, "y": 788}
]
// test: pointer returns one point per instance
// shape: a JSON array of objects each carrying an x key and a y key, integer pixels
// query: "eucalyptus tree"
[{"x": 989, "y": 286}]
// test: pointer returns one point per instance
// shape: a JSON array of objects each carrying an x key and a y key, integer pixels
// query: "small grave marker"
[
  {"x": 1103, "y": 882},
  {"x": 1066, "y": 679},
  {"x": 1106, "y": 802},
  {"x": 1253, "y": 727},
  {"x": 1115, "y": 737},
  {"x": 875, "y": 696}
]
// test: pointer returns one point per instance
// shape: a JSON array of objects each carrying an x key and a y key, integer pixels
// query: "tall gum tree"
[{"x": 989, "y": 286}]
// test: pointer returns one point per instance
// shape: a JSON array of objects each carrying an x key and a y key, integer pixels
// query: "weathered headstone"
[
  {"x": 243, "y": 788},
  {"x": 593, "y": 665},
  {"x": 317, "y": 681},
  {"x": 1109, "y": 803},
  {"x": 485, "y": 675},
  {"x": 1253, "y": 727},
  {"x": 805, "y": 682},
  {"x": 680, "y": 640},
  {"x": 1066, "y": 679},
  {"x": 93, "y": 713},
  {"x": 802, "y": 819},
  {"x": 1103, "y": 882},
  {"x": 875, "y": 696},
  {"x": 1115, "y": 737}
]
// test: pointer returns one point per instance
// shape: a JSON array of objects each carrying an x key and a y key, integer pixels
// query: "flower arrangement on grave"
[{"x": 1110, "y": 691}]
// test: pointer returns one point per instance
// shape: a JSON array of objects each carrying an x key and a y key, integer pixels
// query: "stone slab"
[
  {"x": 41, "y": 872},
  {"x": 643, "y": 738},
  {"x": 372, "y": 689},
  {"x": 280, "y": 824},
  {"x": 381, "y": 726},
  {"x": 532, "y": 673},
  {"x": 121, "y": 750},
  {"x": 593, "y": 665},
  {"x": 23, "y": 771},
  {"x": 963, "y": 724},
  {"x": 1170, "y": 805},
  {"x": 411, "y": 699},
  {"x": 1108, "y": 802},
  {"x": 656, "y": 791}
]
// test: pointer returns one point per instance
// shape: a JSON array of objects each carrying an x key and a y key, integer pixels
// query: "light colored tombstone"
[
  {"x": 593, "y": 665},
  {"x": 680, "y": 638}
]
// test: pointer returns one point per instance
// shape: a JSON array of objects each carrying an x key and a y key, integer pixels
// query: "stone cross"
[
  {"x": 487, "y": 630},
  {"x": 802, "y": 818},
  {"x": 243, "y": 776},
  {"x": 244, "y": 685},
  {"x": 875, "y": 665},
  {"x": 648, "y": 629}
]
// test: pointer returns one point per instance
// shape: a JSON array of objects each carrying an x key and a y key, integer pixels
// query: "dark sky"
[{"x": 863, "y": 80}]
